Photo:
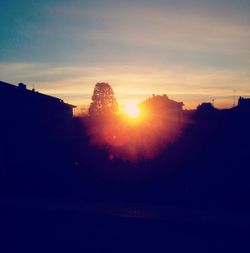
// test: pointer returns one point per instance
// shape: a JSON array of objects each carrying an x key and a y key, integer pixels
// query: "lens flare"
[
  {"x": 132, "y": 110},
  {"x": 138, "y": 131}
]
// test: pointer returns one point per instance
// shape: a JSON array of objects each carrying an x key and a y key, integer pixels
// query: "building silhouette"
[
  {"x": 165, "y": 109},
  {"x": 244, "y": 103},
  {"x": 16, "y": 100},
  {"x": 34, "y": 127}
]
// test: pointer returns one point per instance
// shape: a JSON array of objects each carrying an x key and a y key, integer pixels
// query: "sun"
[{"x": 132, "y": 110}]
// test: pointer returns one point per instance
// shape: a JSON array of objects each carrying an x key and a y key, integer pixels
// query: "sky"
[{"x": 193, "y": 51}]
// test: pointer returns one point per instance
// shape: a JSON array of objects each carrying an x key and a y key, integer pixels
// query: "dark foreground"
[{"x": 60, "y": 226}]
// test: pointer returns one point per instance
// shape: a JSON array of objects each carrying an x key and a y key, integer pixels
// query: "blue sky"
[{"x": 192, "y": 50}]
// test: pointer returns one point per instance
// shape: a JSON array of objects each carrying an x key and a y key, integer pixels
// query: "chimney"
[{"x": 22, "y": 86}]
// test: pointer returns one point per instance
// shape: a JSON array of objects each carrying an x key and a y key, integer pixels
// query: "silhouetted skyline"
[
  {"x": 158, "y": 160},
  {"x": 167, "y": 168}
]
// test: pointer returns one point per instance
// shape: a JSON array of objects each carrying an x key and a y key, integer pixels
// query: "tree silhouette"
[{"x": 103, "y": 101}]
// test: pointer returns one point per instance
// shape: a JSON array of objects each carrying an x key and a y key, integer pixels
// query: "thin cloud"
[
  {"x": 78, "y": 82},
  {"x": 183, "y": 29}
]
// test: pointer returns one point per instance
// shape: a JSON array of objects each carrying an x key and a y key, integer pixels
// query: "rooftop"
[{"x": 21, "y": 87}]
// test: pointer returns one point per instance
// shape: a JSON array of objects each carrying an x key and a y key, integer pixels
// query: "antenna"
[
  {"x": 234, "y": 98},
  {"x": 33, "y": 87}
]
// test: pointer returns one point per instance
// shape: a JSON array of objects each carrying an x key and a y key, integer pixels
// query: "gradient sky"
[{"x": 193, "y": 51}]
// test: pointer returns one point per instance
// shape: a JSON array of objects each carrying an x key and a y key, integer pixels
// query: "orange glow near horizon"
[{"x": 139, "y": 131}]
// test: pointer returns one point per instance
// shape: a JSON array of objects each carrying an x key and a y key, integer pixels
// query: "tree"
[{"x": 103, "y": 101}]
